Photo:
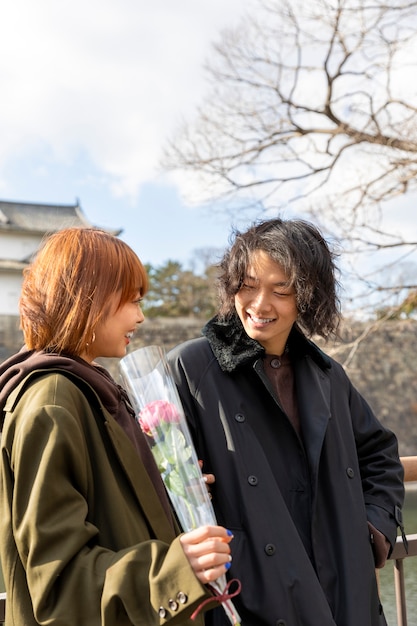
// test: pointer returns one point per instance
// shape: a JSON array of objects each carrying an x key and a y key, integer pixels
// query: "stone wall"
[
  {"x": 11, "y": 337},
  {"x": 381, "y": 360}
]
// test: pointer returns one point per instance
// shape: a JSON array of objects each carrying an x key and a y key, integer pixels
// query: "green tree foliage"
[{"x": 178, "y": 292}]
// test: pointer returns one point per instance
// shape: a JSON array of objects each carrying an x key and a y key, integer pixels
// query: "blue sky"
[
  {"x": 156, "y": 222},
  {"x": 91, "y": 91}
]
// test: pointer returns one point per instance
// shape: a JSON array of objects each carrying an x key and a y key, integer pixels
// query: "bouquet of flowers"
[
  {"x": 175, "y": 458},
  {"x": 154, "y": 397}
]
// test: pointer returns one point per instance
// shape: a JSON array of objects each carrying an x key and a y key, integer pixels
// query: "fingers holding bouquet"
[{"x": 208, "y": 551}]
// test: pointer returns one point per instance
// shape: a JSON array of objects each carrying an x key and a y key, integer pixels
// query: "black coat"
[{"x": 348, "y": 471}]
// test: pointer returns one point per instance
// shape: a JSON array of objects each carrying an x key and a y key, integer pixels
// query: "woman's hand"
[{"x": 208, "y": 551}]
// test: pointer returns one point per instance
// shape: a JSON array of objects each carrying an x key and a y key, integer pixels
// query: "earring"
[{"x": 93, "y": 338}]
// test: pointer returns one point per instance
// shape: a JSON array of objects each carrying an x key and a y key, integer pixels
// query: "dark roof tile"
[{"x": 42, "y": 218}]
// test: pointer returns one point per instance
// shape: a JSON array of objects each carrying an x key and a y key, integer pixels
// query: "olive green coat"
[{"x": 83, "y": 538}]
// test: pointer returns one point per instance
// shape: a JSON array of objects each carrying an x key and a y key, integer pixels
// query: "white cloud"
[{"x": 109, "y": 78}]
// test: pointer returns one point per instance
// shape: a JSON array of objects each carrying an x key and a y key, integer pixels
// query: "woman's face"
[
  {"x": 266, "y": 304},
  {"x": 114, "y": 334}
]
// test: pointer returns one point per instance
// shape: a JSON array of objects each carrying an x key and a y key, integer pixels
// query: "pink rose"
[{"x": 156, "y": 412}]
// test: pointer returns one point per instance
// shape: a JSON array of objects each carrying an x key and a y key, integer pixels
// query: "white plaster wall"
[
  {"x": 18, "y": 246},
  {"x": 10, "y": 287}
]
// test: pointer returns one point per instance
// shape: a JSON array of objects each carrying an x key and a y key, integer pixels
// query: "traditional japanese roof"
[{"x": 42, "y": 218}]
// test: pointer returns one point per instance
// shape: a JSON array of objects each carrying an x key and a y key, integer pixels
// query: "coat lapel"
[
  {"x": 141, "y": 483},
  {"x": 313, "y": 386}
]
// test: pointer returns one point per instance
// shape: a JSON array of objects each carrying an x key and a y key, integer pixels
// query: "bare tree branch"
[{"x": 313, "y": 105}]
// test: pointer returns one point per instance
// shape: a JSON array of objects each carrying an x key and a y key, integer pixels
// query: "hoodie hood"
[{"x": 19, "y": 366}]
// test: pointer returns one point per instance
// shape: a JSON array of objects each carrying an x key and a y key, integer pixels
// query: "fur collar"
[{"x": 233, "y": 348}]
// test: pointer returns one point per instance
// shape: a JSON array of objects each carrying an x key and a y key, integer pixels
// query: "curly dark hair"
[{"x": 304, "y": 255}]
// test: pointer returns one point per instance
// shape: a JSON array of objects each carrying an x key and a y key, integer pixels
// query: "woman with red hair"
[{"x": 87, "y": 536}]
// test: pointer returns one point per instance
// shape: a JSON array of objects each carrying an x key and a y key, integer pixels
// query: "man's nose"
[{"x": 261, "y": 300}]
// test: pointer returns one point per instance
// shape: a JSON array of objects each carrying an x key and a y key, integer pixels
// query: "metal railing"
[{"x": 398, "y": 555}]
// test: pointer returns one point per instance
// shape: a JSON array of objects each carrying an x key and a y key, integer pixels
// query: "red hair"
[{"x": 67, "y": 288}]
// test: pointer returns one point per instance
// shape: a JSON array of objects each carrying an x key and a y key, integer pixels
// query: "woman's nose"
[{"x": 141, "y": 316}]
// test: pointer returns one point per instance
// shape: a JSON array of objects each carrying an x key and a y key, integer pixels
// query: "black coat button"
[
  {"x": 275, "y": 363},
  {"x": 281, "y": 622},
  {"x": 350, "y": 472},
  {"x": 239, "y": 417},
  {"x": 270, "y": 549},
  {"x": 252, "y": 480}
]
